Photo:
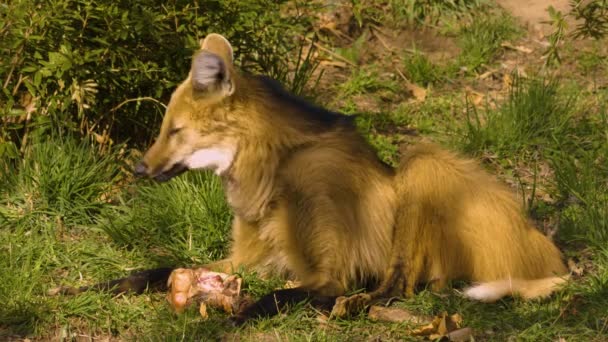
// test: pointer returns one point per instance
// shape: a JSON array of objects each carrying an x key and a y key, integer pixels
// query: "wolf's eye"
[{"x": 174, "y": 131}]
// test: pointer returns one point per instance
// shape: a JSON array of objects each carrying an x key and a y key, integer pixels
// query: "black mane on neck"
[{"x": 308, "y": 111}]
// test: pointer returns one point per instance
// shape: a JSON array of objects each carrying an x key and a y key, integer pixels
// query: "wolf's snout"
[{"x": 140, "y": 169}]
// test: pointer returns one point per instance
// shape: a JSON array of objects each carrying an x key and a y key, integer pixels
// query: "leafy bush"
[{"x": 104, "y": 68}]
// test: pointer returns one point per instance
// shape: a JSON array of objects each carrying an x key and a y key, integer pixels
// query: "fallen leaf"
[
  {"x": 486, "y": 74},
  {"x": 442, "y": 326},
  {"x": 418, "y": 92},
  {"x": 507, "y": 81},
  {"x": 336, "y": 64},
  {"x": 395, "y": 315},
  {"x": 460, "y": 335},
  {"x": 574, "y": 268},
  {"x": 517, "y": 48}
]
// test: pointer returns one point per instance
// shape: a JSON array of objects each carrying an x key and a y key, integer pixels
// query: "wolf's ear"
[
  {"x": 219, "y": 45},
  {"x": 211, "y": 66}
]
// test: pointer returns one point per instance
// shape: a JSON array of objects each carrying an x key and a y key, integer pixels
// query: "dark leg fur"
[
  {"x": 154, "y": 279},
  {"x": 271, "y": 304}
]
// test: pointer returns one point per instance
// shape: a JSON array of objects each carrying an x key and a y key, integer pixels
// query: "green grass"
[
  {"x": 535, "y": 113},
  {"x": 430, "y": 11},
  {"x": 420, "y": 70},
  {"x": 480, "y": 40},
  {"x": 185, "y": 221}
]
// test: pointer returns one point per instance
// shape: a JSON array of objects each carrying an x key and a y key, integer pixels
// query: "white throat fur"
[{"x": 217, "y": 158}]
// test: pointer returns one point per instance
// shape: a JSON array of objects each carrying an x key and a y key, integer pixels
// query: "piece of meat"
[{"x": 213, "y": 289}]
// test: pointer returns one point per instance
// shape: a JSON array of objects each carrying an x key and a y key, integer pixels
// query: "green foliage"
[
  {"x": 593, "y": 63},
  {"x": 60, "y": 180},
  {"x": 102, "y": 66},
  {"x": 534, "y": 114},
  {"x": 186, "y": 221},
  {"x": 593, "y": 18},
  {"x": 430, "y": 11},
  {"x": 558, "y": 20},
  {"x": 580, "y": 181},
  {"x": 420, "y": 70},
  {"x": 364, "y": 80},
  {"x": 481, "y": 39},
  {"x": 353, "y": 52}
]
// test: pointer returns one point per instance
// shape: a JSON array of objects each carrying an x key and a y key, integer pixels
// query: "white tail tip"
[{"x": 527, "y": 289}]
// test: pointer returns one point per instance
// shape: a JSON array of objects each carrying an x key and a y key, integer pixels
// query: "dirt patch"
[{"x": 532, "y": 13}]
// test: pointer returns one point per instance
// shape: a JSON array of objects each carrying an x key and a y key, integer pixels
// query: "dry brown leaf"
[
  {"x": 507, "y": 81},
  {"x": 519, "y": 48},
  {"x": 460, "y": 335},
  {"x": 486, "y": 74},
  {"x": 442, "y": 325},
  {"x": 336, "y": 64},
  {"x": 418, "y": 92},
  {"x": 475, "y": 96},
  {"x": 574, "y": 268},
  {"x": 396, "y": 315}
]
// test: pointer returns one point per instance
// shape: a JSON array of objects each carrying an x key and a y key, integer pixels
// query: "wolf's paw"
[{"x": 347, "y": 306}]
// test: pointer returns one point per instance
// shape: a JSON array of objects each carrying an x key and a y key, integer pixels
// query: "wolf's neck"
[{"x": 250, "y": 184}]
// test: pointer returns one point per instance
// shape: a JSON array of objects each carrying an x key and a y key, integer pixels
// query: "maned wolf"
[{"x": 312, "y": 201}]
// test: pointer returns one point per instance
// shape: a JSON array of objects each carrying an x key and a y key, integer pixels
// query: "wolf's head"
[
  {"x": 217, "y": 114},
  {"x": 195, "y": 130}
]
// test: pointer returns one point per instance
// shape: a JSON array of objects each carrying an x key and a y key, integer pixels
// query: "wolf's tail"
[
  {"x": 527, "y": 289},
  {"x": 138, "y": 282}
]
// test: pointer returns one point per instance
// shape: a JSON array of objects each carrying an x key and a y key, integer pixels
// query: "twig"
[
  {"x": 137, "y": 99},
  {"x": 27, "y": 131},
  {"x": 337, "y": 33},
  {"x": 16, "y": 58},
  {"x": 16, "y": 87},
  {"x": 13, "y": 65},
  {"x": 402, "y": 76},
  {"x": 373, "y": 29},
  {"x": 321, "y": 47}
]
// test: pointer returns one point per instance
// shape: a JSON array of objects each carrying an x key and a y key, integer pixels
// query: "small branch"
[
  {"x": 403, "y": 76},
  {"x": 333, "y": 54},
  {"x": 137, "y": 99},
  {"x": 27, "y": 131},
  {"x": 375, "y": 33}
]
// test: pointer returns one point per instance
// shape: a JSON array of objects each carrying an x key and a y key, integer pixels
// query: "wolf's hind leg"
[{"x": 391, "y": 286}]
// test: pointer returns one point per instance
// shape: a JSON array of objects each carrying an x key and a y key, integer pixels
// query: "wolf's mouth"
[{"x": 174, "y": 171}]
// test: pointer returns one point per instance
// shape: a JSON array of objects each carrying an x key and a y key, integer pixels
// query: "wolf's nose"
[{"x": 140, "y": 169}]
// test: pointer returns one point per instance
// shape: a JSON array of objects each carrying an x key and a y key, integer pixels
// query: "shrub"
[{"x": 104, "y": 68}]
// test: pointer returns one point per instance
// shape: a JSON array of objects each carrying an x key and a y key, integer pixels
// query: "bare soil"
[{"x": 533, "y": 13}]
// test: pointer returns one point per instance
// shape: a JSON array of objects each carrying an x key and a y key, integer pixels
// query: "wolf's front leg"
[{"x": 322, "y": 296}]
